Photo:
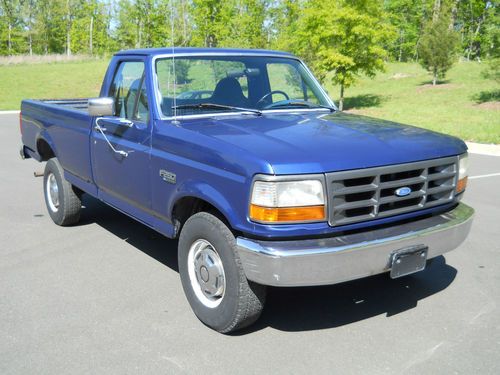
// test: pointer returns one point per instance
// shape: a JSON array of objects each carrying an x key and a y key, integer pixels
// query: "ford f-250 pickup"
[{"x": 243, "y": 156}]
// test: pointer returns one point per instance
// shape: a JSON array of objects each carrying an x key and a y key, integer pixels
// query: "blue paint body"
[{"x": 215, "y": 159}]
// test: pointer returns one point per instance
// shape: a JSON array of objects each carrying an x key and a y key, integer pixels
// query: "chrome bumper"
[{"x": 348, "y": 257}]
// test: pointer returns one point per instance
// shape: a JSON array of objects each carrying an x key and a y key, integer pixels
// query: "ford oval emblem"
[{"x": 403, "y": 191}]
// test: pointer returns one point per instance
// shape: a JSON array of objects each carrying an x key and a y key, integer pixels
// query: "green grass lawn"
[
  {"x": 78, "y": 79},
  {"x": 465, "y": 104}
]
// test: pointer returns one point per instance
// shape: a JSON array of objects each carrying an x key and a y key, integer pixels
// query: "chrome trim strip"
[
  {"x": 352, "y": 256},
  {"x": 239, "y": 113}
]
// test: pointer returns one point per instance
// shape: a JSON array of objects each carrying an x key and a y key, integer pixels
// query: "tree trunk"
[
  {"x": 341, "y": 99},
  {"x": 68, "y": 29},
  {"x": 184, "y": 23},
  {"x": 91, "y": 31},
  {"x": 471, "y": 45},
  {"x": 436, "y": 10},
  {"x": 401, "y": 40},
  {"x": 138, "y": 41},
  {"x": 9, "y": 43},
  {"x": 30, "y": 27},
  {"x": 68, "y": 42},
  {"x": 434, "y": 79}
]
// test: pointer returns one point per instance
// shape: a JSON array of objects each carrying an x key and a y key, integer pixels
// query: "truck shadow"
[
  {"x": 143, "y": 238},
  {"x": 313, "y": 308},
  {"x": 294, "y": 309}
]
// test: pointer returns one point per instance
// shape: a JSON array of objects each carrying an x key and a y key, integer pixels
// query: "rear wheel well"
[
  {"x": 44, "y": 150},
  {"x": 186, "y": 207}
]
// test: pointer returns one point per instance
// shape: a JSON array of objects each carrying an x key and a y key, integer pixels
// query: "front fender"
[{"x": 202, "y": 190}]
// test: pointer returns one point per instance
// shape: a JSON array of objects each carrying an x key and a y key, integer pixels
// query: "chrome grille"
[{"x": 367, "y": 194}]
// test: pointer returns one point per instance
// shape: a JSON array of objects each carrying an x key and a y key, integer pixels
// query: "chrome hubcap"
[
  {"x": 206, "y": 273},
  {"x": 52, "y": 192}
]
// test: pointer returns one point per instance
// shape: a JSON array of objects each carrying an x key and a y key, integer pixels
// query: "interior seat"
[{"x": 228, "y": 92}]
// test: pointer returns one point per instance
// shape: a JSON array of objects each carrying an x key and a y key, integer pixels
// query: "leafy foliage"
[
  {"x": 437, "y": 48},
  {"x": 340, "y": 39},
  {"x": 345, "y": 38}
]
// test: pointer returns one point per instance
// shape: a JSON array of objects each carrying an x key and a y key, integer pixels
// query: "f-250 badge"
[{"x": 168, "y": 176}]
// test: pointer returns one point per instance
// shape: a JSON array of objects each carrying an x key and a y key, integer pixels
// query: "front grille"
[{"x": 367, "y": 194}]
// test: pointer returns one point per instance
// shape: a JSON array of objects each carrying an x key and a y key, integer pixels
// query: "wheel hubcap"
[
  {"x": 206, "y": 273},
  {"x": 52, "y": 192}
]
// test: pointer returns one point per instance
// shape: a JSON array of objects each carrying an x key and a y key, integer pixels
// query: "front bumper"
[{"x": 352, "y": 256}]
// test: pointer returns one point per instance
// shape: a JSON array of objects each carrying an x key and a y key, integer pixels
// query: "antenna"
[{"x": 172, "y": 41}]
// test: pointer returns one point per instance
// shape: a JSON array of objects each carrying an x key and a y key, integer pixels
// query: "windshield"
[{"x": 208, "y": 84}]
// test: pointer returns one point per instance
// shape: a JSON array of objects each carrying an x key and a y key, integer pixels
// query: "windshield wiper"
[
  {"x": 301, "y": 103},
  {"x": 215, "y": 106}
]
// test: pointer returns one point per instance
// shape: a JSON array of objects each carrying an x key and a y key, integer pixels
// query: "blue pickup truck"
[{"x": 242, "y": 156}]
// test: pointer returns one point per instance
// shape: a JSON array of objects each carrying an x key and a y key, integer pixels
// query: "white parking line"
[
  {"x": 484, "y": 176},
  {"x": 8, "y": 112}
]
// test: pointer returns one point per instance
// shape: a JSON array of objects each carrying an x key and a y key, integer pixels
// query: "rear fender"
[{"x": 45, "y": 136}]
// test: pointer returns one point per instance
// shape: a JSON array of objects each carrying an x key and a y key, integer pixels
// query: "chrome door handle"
[{"x": 126, "y": 122}]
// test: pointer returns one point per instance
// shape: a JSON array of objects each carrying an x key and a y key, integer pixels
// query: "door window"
[{"x": 129, "y": 91}]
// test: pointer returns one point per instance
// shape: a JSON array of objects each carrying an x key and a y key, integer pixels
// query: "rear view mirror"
[
  {"x": 252, "y": 72},
  {"x": 101, "y": 107}
]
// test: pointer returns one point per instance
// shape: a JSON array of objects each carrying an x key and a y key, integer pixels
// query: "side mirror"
[{"x": 101, "y": 107}]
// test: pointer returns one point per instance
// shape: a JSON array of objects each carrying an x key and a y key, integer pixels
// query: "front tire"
[
  {"x": 212, "y": 276},
  {"x": 63, "y": 203}
]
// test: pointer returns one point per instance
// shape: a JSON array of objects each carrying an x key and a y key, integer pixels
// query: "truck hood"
[{"x": 317, "y": 142}]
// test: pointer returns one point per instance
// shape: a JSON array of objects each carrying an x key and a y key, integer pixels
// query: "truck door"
[{"x": 121, "y": 144}]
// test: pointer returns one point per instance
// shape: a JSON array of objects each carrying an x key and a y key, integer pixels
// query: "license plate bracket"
[{"x": 408, "y": 260}]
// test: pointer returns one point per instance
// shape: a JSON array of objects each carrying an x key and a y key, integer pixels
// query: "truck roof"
[{"x": 196, "y": 51}]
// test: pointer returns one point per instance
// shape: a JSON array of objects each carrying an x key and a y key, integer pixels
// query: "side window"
[{"x": 129, "y": 91}]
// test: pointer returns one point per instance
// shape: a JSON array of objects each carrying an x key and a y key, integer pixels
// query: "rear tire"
[
  {"x": 213, "y": 278},
  {"x": 63, "y": 203}
]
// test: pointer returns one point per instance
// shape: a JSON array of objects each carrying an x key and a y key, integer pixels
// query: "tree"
[
  {"x": 11, "y": 12},
  {"x": 247, "y": 24},
  {"x": 49, "y": 27},
  {"x": 284, "y": 17},
  {"x": 343, "y": 39},
  {"x": 437, "y": 48},
  {"x": 29, "y": 17},
  {"x": 471, "y": 19},
  {"x": 212, "y": 18},
  {"x": 90, "y": 29},
  {"x": 126, "y": 22},
  {"x": 405, "y": 16},
  {"x": 491, "y": 47}
]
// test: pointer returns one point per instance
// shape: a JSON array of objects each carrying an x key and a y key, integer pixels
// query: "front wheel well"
[{"x": 186, "y": 207}]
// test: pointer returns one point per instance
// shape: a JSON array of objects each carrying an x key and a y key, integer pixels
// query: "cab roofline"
[{"x": 197, "y": 51}]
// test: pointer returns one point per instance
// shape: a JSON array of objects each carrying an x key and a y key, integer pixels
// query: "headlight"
[
  {"x": 287, "y": 201},
  {"x": 463, "y": 165}
]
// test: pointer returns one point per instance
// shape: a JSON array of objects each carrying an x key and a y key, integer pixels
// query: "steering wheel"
[{"x": 271, "y": 93}]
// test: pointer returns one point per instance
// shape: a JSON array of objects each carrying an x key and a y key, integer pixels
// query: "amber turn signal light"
[
  {"x": 462, "y": 183},
  {"x": 286, "y": 214}
]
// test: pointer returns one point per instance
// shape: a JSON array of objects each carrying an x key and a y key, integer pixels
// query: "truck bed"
[
  {"x": 65, "y": 125},
  {"x": 80, "y": 104}
]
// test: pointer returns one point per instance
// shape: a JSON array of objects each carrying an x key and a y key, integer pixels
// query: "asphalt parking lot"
[{"x": 105, "y": 297}]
